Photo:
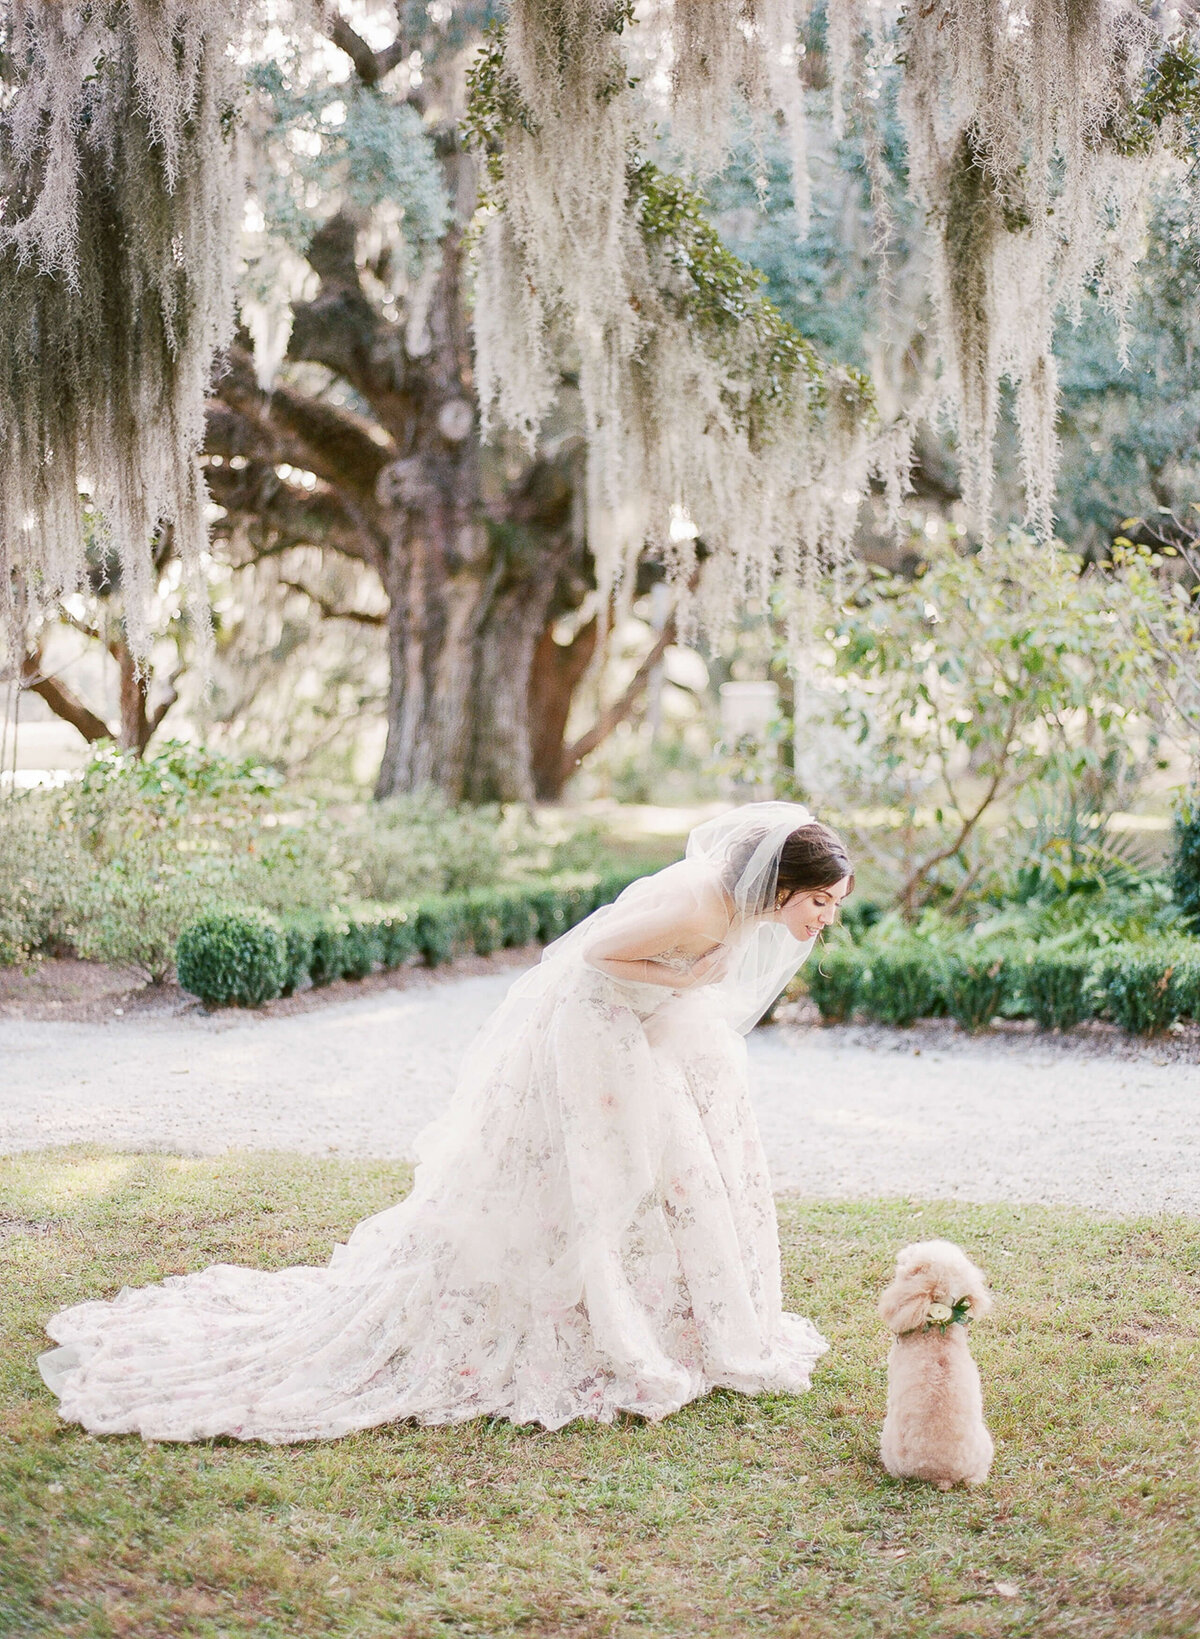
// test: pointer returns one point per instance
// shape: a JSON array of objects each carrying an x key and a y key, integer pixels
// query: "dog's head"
[{"x": 932, "y": 1272}]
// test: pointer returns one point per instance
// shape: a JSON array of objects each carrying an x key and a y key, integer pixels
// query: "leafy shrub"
[
  {"x": 438, "y": 929},
  {"x": 233, "y": 956},
  {"x": 833, "y": 976},
  {"x": 397, "y": 937},
  {"x": 41, "y": 873},
  {"x": 1056, "y": 987},
  {"x": 860, "y": 916},
  {"x": 417, "y": 844},
  {"x": 482, "y": 921},
  {"x": 325, "y": 948},
  {"x": 976, "y": 988},
  {"x": 131, "y": 912},
  {"x": 341, "y": 944},
  {"x": 518, "y": 919},
  {"x": 1185, "y": 862},
  {"x": 1146, "y": 989},
  {"x": 546, "y": 905},
  {"x": 361, "y": 946},
  {"x": 298, "y": 945},
  {"x": 903, "y": 982}
]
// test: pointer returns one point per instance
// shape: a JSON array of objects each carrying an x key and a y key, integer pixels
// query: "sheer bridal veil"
[{"x": 734, "y": 857}]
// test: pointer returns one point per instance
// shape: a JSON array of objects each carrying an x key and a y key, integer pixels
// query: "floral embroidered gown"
[{"x": 591, "y": 1231}]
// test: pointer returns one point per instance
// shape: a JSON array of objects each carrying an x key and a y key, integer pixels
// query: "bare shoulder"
[{"x": 711, "y": 909}]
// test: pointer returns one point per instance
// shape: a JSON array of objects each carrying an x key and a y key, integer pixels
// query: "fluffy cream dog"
[{"x": 934, "y": 1428}]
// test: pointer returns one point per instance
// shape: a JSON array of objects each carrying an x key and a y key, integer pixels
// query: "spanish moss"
[{"x": 117, "y": 255}]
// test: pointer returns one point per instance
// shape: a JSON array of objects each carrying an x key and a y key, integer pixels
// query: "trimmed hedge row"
[
  {"x": 246, "y": 957},
  {"x": 1144, "y": 988}
]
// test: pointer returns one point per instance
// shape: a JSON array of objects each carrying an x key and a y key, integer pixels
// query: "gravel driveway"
[{"x": 847, "y": 1112}]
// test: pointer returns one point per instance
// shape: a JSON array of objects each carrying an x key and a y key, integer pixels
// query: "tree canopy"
[{"x": 1027, "y": 139}]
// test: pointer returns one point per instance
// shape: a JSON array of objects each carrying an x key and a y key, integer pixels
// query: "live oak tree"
[
  {"x": 1031, "y": 133},
  {"x": 363, "y": 440}
]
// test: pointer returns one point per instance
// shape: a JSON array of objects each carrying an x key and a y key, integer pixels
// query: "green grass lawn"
[{"x": 736, "y": 1517}]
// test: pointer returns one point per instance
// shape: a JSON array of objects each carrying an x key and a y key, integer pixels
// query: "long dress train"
[{"x": 591, "y": 1231}]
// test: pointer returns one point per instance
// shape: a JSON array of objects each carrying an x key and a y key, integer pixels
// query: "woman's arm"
[
  {"x": 692, "y": 918},
  {"x": 647, "y": 970}
]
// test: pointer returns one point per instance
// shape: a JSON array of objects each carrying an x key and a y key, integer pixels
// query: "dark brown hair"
[{"x": 812, "y": 857}]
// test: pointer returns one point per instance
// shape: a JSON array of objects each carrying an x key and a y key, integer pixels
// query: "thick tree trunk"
[
  {"x": 472, "y": 581},
  {"x": 462, "y": 636},
  {"x": 556, "y": 673}
]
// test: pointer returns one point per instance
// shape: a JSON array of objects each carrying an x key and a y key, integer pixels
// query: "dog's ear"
[
  {"x": 982, "y": 1302},
  {"x": 904, "y": 1305}
]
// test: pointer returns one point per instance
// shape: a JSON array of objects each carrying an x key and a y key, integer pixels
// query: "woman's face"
[{"x": 810, "y": 910}]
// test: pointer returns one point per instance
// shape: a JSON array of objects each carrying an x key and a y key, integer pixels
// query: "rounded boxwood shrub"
[
  {"x": 834, "y": 976},
  {"x": 238, "y": 957},
  {"x": 325, "y": 950},
  {"x": 1057, "y": 988},
  {"x": 298, "y": 942},
  {"x": 518, "y": 918},
  {"x": 550, "y": 914},
  {"x": 976, "y": 988},
  {"x": 397, "y": 937},
  {"x": 482, "y": 921},
  {"x": 1147, "y": 988},
  {"x": 902, "y": 983},
  {"x": 360, "y": 946},
  {"x": 439, "y": 926}
]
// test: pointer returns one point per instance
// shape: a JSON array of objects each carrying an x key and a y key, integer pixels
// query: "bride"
[{"x": 591, "y": 1229}]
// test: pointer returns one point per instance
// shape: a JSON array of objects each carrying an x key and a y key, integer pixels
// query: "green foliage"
[
  {"x": 345, "y": 145},
  {"x": 494, "y": 103},
  {"x": 298, "y": 947},
  {"x": 1146, "y": 989},
  {"x": 721, "y": 292},
  {"x": 40, "y": 873},
  {"x": 833, "y": 978},
  {"x": 397, "y": 935},
  {"x": 115, "y": 865},
  {"x": 697, "y": 275},
  {"x": 238, "y": 957},
  {"x": 349, "y": 945},
  {"x": 131, "y": 910},
  {"x": 1186, "y": 861},
  {"x": 1000, "y": 682},
  {"x": 976, "y": 988},
  {"x": 438, "y": 929},
  {"x": 417, "y": 844},
  {"x": 903, "y": 982},
  {"x": 1170, "y": 93},
  {"x": 482, "y": 921},
  {"x": 897, "y": 979},
  {"x": 1130, "y": 427},
  {"x": 1056, "y": 987}
]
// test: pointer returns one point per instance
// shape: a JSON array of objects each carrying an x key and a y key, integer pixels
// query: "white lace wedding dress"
[{"x": 591, "y": 1231}]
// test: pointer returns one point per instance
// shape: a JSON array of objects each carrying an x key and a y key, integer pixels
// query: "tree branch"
[
  {"x": 620, "y": 709},
  {"x": 282, "y": 515},
  {"x": 370, "y": 66},
  {"x": 63, "y": 701},
  {"x": 328, "y": 440},
  {"x": 362, "y": 617},
  {"x": 921, "y": 874},
  {"x": 155, "y": 717}
]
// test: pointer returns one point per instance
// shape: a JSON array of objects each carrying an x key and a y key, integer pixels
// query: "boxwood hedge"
[
  {"x": 238, "y": 957},
  {"x": 1143, "y": 987},
  {"x": 248, "y": 957}
]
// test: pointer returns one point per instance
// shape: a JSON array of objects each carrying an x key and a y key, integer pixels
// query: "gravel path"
[{"x": 848, "y": 1112}]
